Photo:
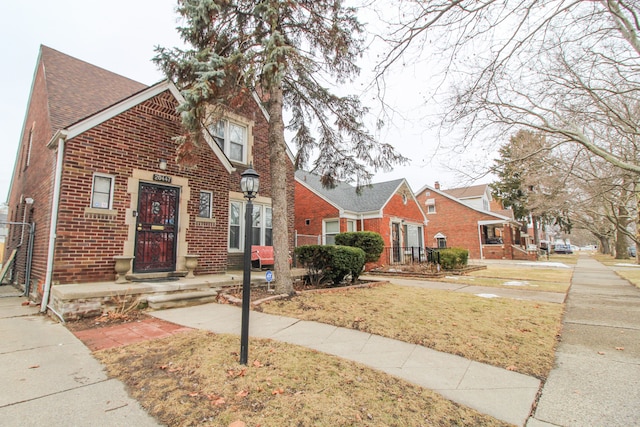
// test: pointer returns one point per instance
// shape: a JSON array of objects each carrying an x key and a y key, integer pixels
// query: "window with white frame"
[
  {"x": 231, "y": 138},
  {"x": 235, "y": 215},
  {"x": 102, "y": 191},
  {"x": 206, "y": 204},
  {"x": 431, "y": 206},
  {"x": 441, "y": 240},
  {"x": 351, "y": 225},
  {"x": 261, "y": 225},
  {"x": 413, "y": 236},
  {"x": 331, "y": 228}
]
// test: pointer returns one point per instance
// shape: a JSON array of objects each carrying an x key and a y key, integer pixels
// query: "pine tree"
[{"x": 283, "y": 50}]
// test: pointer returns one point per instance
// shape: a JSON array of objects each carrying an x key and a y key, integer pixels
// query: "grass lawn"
[
  {"x": 194, "y": 379},
  {"x": 632, "y": 273},
  {"x": 549, "y": 279},
  {"x": 512, "y": 334}
]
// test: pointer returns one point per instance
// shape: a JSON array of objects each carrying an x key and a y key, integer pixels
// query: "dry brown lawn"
[
  {"x": 512, "y": 334},
  {"x": 548, "y": 279},
  {"x": 194, "y": 379}
]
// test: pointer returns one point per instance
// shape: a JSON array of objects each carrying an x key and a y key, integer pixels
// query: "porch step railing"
[{"x": 409, "y": 255}]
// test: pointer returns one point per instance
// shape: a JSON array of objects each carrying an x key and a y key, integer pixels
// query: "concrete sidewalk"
[
  {"x": 503, "y": 394},
  {"x": 596, "y": 381},
  {"x": 49, "y": 377}
]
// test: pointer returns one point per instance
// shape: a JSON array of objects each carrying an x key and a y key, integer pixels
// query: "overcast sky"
[{"x": 120, "y": 36}]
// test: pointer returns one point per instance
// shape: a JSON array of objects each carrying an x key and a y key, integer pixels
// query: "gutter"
[{"x": 57, "y": 141}]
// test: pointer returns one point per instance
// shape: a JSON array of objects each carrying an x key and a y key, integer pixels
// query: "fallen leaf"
[
  {"x": 34, "y": 366},
  {"x": 257, "y": 364},
  {"x": 277, "y": 391},
  {"x": 620, "y": 348},
  {"x": 511, "y": 368},
  {"x": 219, "y": 401},
  {"x": 601, "y": 353},
  {"x": 194, "y": 394},
  {"x": 242, "y": 393},
  {"x": 237, "y": 423}
]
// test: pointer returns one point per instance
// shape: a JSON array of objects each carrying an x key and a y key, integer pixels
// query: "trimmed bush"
[
  {"x": 453, "y": 258},
  {"x": 332, "y": 263},
  {"x": 370, "y": 242}
]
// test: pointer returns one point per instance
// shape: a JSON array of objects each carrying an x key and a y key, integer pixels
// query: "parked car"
[
  {"x": 631, "y": 250},
  {"x": 562, "y": 249}
]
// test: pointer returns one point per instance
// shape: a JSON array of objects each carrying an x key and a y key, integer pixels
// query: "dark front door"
[{"x": 156, "y": 228}]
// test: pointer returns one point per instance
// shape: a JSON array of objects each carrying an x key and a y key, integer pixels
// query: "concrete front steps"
[
  {"x": 183, "y": 299},
  {"x": 74, "y": 301}
]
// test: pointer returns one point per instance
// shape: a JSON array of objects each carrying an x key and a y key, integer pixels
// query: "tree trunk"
[
  {"x": 604, "y": 245},
  {"x": 621, "y": 237},
  {"x": 278, "y": 160},
  {"x": 636, "y": 192}
]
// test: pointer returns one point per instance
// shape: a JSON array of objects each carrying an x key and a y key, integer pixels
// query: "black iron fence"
[{"x": 409, "y": 255}]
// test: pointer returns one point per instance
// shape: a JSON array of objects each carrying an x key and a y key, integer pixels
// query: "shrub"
[
  {"x": 370, "y": 242},
  {"x": 453, "y": 258},
  {"x": 331, "y": 262}
]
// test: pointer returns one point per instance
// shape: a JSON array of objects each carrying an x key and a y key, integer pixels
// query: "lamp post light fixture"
[{"x": 249, "y": 184}]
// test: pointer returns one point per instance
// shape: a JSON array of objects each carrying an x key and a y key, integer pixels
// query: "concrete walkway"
[
  {"x": 49, "y": 377},
  {"x": 503, "y": 394},
  {"x": 596, "y": 381}
]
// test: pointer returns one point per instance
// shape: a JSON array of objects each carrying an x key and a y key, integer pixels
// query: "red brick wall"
[
  {"x": 34, "y": 181},
  {"x": 135, "y": 139},
  {"x": 309, "y": 205},
  {"x": 456, "y": 221}
]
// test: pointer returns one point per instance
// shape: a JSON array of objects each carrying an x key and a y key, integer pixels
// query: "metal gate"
[{"x": 19, "y": 261}]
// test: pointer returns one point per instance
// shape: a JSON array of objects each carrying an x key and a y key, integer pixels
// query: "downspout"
[
  {"x": 480, "y": 241},
  {"x": 55, "y": 203}
]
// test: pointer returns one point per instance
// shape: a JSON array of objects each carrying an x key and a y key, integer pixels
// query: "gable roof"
[
  {"x": 468, "y": 192},
  {"x": 76, "y": 89},
  {"x": 344, "y": 196},
  {"x": 506, "y": 216}
]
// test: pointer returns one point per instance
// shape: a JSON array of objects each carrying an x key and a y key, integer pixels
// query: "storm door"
[
  {"x": 156, "y": 228},
  {"x": 395, "y": 241}
]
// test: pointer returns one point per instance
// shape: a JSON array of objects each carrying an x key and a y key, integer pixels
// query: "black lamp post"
[{"x": 249, "y": 184}]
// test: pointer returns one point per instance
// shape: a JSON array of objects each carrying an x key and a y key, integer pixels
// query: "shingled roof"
[
  {"x": 467, "y": 192},
  {"x": 344, "y": 196},
  {"x": 77, "y": 89}
]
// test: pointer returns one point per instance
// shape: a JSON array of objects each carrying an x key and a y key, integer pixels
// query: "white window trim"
[
  {"x": 210, "y": 193},
  {"x": 226, "y": 149},
  {"x": 324, "y": 228},
  {"x": 93, "y": 183},
  {"x": 431, "y": 203},
  {"x": 243, "y": 211}
]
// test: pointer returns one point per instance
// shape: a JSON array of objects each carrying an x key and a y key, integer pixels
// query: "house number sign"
[{"x": 161, "y": 178}]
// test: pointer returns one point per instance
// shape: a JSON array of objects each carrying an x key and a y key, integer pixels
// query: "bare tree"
[{"x": 568, "y": 69}]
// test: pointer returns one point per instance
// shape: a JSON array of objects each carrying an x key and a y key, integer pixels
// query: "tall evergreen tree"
[{"x": 284, "y": 50}]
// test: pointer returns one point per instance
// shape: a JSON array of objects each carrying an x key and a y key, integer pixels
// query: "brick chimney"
[{"x": 437, "y": 185}]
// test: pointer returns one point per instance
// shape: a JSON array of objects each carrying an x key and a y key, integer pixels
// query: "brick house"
[
  {"x": 388, "y": 208},
  {"x": 468, "y": 222},
  {"x": 96, "y": 161}
]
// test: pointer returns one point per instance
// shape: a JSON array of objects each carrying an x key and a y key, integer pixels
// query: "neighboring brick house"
[
  {"x": 468, "y": 222},
  {"x": 388, "y": 208},
  {"x": 96, "y": 159}
]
